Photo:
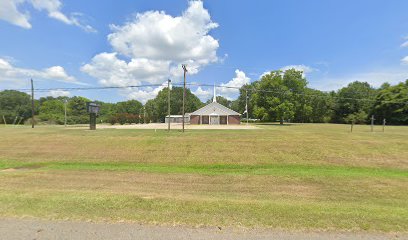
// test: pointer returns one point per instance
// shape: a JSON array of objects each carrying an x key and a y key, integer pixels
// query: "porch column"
[{"x": 227, "y": 120}]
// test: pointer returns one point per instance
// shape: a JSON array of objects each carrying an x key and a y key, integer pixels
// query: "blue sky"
[{"x": 119, "y": 43}]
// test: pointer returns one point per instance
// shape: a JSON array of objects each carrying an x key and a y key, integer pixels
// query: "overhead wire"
[{"x": 277, "y": 91}]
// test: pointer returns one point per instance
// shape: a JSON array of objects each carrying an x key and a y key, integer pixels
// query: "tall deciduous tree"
[
  {"x": 130, "y": 106},
  {"x": 318, "y": 106},
  {"x": 356, "y": 98},
  {"x": 157, "y": 107},
  {"x": 14, "y": 105},
  {"x": 77, "y": 110},
  {"x": 296, "y": 83},
  {"x": 391, "y": 103},
  {"x": 52, "y": 110},
  {"x": 277, "y": 95}
]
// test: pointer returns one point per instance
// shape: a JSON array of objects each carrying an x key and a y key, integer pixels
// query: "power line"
[
  {"x": 184, "y": 90},
  {"x": 280, "y": 92},
  {"x": 87, "y": 88},
  {"x": 277, "y": 91},
  {"x": 291, "y": 92}
]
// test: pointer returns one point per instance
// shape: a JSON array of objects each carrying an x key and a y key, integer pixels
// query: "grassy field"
[{"x": 304, "y": 177}]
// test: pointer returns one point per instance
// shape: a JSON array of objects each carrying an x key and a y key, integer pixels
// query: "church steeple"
[{"x": 215, "y": 95}]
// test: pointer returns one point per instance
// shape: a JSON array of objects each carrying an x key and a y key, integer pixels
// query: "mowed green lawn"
[{"x": 305, "y": 177}]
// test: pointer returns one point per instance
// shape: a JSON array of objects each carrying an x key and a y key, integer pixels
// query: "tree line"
[
  {"x": 285, "y": 96},
  {"x": 276, "y": 96}
]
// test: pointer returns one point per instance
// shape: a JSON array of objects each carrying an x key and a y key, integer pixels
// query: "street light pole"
[
  {"x": 65, "y": 112},
  {"x": 184, "y": 90},
  {"x": 32, "y": 103}
]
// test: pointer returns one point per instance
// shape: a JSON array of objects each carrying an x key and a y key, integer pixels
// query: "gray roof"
[{"x": 214, "y": 108}]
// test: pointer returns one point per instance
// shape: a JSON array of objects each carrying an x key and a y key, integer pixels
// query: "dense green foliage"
[
  {"x": 223, "y": 101},
  {"x": 157, "y": 108},
  {"x": 14, "y": 106},
  {"x": 391, "y": 103},
  {"x": 356, "y": 99},
  {"x": 277, "y": 96},
  {"x": 52, "y": 110},
  {"x": 130, "y": 111},
  {"x": 76, "y": 109},
  {"x": 284, "y": 96}
]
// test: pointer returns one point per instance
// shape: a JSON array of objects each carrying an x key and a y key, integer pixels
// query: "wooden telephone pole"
[
  {"x": 32, "y": 103},
  {"x": 168, "y": 104},
  {"x": 184, "y": 90}
]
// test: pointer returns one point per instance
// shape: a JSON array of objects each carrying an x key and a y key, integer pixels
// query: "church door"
[{"x": 214, "y": 120}]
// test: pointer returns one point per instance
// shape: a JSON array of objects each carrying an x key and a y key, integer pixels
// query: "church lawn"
[{"x": 304, "y": 177}]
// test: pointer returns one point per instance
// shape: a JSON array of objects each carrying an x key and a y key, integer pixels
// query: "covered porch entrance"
[{"x": 213, "y": 120}]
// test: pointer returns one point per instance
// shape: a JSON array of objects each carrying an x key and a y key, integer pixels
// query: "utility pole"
[
  {"x": 246, "y": 105},
  {"x": 168, "y": 104},
  {"x": 184, "y": 90},
  {"x": 32, "y": 103},
  {"x": 65, "y": 112},
  {"x": 372, "y": 123}
]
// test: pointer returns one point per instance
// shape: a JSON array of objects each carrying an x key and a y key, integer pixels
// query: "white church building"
[{"x": 214, "y": 114}]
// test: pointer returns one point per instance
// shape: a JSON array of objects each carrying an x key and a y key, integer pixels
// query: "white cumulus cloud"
[
  {"x": 151, "y": 47},
  {"x": 202, "y": 94},
  {"x": 230, "y": 89},
  {"x": 143, "y": 94},
  {"x": 8, "y": 72},
  {"x": 57, "y": 73},
  {"x": 59, "y": 93},
  {"x": 10, "y": 11},
  {"x": 405, "y": 44},
  {"x": 156, "y": 35},
  {"x": 112, "y": 71},
  {"x": 405, "y": 60}
]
